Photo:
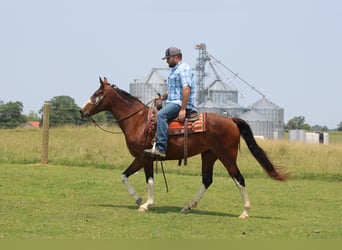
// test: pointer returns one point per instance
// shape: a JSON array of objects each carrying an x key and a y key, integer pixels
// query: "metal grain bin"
[
  {"x": 148, "y": 86},
  {"x": 260, "y": 125},
  {"x": 273, "y": 113}
]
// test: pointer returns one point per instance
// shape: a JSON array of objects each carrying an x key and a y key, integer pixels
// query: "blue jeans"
[{"x": 167, "y": 113}]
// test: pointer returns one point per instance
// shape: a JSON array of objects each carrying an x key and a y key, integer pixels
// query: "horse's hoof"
[
  {"x": 185, "y": 210},
  {"x": 139, "y": 201},
  {"x": 244, "y": 216},
  {"x": 142, "y": 209}
]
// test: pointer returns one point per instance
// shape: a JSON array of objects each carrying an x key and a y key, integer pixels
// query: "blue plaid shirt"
[{"x": 180, "y": 76}]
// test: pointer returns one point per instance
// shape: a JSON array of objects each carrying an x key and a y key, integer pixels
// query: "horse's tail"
[{"x": 258, "y": 153}]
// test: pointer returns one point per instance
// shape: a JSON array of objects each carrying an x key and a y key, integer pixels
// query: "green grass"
[
  {"x": 89, "y": 146},
  {"x": 57, "y": 202},
  {"x": 335, "y": 137},
  {"x": 79, "y": 195}
]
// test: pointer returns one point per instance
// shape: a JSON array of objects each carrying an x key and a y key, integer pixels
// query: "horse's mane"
[{"x": 127, "y": 95}]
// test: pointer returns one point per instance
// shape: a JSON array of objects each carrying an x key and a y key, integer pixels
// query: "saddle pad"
[{"x": 200, "y": 125}]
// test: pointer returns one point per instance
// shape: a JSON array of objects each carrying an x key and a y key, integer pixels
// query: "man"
[{"x": 180, "y": 96}]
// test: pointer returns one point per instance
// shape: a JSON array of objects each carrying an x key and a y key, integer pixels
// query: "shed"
[{"x": 31, "y": 124}]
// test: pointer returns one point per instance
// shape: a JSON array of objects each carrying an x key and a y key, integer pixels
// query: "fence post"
[{"x": 45, "y": 140}]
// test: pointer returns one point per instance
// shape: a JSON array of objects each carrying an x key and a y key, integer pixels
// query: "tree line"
[{"x": 64, "y": 110}]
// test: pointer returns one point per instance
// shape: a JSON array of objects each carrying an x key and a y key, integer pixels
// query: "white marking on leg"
[
  {"x": 130, "y": 189},
  {"x": 150, "y": 184},
  {"x": 245, "y": 200},
  {"x": 195, "y": 200}
]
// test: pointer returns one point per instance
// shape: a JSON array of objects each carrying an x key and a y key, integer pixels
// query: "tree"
[
  {"x": 32, "y": 116},
  {"x": 63, "y": 110},
  {"x": 339, "y": 126},
  {"x": 298, "y": 122},
  {"x": 319, "y": 128},
  {"x": 11, "y": 114}
]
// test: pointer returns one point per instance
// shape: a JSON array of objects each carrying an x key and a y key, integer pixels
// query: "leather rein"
[{"x": 118, "y": 120}]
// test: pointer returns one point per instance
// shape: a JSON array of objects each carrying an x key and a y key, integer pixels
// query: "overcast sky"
[{"x": 289, "y": 50}]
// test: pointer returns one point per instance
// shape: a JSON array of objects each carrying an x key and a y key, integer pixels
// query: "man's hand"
[
  {"x": 158, "y": 102},
  {"x": 181, "y": 115}
]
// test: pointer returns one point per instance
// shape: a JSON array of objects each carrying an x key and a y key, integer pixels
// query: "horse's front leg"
[
  {"x": 208, "y": 160},
  {"x": 144, "y": 207},
  {"x": 134, "y": 167},
  {"x": 148, "y": 168}
]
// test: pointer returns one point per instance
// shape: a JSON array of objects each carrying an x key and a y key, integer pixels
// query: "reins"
[
  {"x": 103, "y": 129},
  {"x": 119, "y": 120}
]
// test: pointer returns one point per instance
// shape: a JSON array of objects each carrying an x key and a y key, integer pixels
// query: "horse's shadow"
[{"x": 176, "y": 209}]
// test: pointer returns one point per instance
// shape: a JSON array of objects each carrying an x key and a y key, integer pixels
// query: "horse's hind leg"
[
  {"x": 234, "y": 172},
  {"x": 240, "y": 183},
  {"x": 134, "y": 167},
  {"x": 208, "y": 160}
]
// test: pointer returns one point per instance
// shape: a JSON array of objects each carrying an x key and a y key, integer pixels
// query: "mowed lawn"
[{"x": 65, "y": 202}]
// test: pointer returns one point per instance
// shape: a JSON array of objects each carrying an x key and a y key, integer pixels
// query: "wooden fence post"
[{"x": 45, "y": 140}]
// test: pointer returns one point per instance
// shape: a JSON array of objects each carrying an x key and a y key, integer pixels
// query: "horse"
[{"x": 220, "y": 141}]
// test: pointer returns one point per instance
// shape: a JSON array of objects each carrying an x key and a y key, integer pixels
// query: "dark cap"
[{"x": 172, "y": 51}]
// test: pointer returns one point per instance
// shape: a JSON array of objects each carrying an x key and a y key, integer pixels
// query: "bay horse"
[{"x": 220, "y": 141}]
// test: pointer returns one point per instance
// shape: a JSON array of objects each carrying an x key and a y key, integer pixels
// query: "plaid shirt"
[{"x": 181, "y": 75}]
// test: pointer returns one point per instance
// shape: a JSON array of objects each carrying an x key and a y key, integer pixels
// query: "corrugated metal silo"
[
  {"x": 220, "y": 92},
  {"x": 147, "y": 87},
  {"x": 222, "y": 99},
  {"x": 272, "y": 112},
  {"x": 260, "y": 125},
  {"x": 229, "y": 109},
  {"x": 210, "y": 106}
]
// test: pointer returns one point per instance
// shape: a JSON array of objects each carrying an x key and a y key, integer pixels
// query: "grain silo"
[
  {"x": 260, "y": 125},
  {"x": 229, "y": 108},
  {"x": 147, "y": 87},
  {"x": 220, "y": 92},
  {"x": 273, "y": 113},
  {"x": 210, "y": 106},
  {"x": 221, "y": 99}
]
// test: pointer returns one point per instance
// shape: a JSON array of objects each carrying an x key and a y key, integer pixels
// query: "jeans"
[{"x": 167, "y": 113}]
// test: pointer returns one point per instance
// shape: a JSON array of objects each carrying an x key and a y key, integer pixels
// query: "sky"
[{"x": 289, "y": 50}]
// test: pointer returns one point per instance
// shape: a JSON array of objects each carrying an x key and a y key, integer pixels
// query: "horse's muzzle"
[{"x": 84, "y": 114}]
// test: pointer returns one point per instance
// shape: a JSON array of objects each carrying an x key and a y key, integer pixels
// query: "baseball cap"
[{"x": 172, "y": 51}]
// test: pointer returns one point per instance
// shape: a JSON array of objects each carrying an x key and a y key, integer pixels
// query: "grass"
[
  {"x": 58, "y": 202},
  {"x": 89, "y": 146},
  {"x": 79, "y": 195}
]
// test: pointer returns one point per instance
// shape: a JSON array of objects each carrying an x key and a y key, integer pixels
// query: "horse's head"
[{"x": 96, "y": 102}]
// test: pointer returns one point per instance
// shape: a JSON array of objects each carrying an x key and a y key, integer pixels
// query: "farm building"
[
  {"x": 221, "y": 99},
  {"x": 148, "y": 86},
  {"x": 271, "y": 112},
  {"x": 30, "y": 124},
  {"x": 265, "y": 118},
  {"x": 260, "y": 125}
]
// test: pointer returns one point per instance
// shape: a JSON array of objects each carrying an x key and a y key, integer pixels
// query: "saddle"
[{"x": 194, "y": 123}]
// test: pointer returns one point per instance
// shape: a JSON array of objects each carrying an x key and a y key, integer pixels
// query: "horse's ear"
[
  {"x": 102, "y": 82},
  {"x": 105, "y": 80}
]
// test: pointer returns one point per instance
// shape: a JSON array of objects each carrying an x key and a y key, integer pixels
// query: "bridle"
[{"x": 99, "y": 99}]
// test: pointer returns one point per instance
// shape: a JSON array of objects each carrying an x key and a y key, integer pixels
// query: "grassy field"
[
  {"x": 79, "y": 195},
  {"x": 57, "y": 202}
]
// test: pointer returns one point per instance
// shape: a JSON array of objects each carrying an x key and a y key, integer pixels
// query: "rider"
[{"x": 179, "y": 96}]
